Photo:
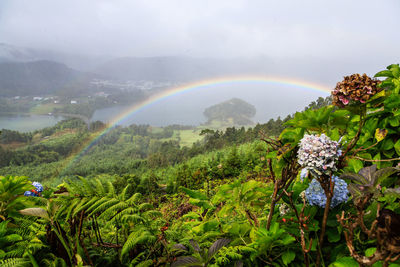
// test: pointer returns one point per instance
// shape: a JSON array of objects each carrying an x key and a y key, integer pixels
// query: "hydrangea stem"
[{"x": 328, "y": 189}]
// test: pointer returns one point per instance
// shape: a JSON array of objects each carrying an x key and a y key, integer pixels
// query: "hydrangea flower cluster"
[
  {"x": 315, "y": 195},
  {"x": 283, "y": 209},
  {"x": 356, "y": 87},
  {"x": 318, "y": 154},
  {"x": 34, "y": 192}
]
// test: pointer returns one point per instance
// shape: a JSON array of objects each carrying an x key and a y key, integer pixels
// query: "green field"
[{"x": 41, "y": 109}]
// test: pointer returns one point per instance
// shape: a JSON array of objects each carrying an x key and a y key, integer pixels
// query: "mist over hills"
[
  {"x": 38, "y": 77},
  {"x": 26, "y": 71},
  {"x": 81, "y": 62},
  {"x": 176, "y": 68}
]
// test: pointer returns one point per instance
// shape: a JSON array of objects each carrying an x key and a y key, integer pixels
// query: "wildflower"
[
  {"x": 315, "y": 195},
  {"x": 318, "y": 154}
]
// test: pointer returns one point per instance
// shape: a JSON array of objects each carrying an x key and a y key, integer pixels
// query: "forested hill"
[{"x": 38, "y": 78}]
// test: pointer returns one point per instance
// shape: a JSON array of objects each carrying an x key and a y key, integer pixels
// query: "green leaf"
[
  {"x": 397, "y": 147},
  {"x": 333, "y": 235},
  {"x": 288, "y": 256},
  {"x": 384, "y": 73},
  {"x": 395, "y": 70},
  {"x": 369, "y": 252},
  {"x": 394, "y": 121},
  {"x": 377, "y": 157},
  {"x": 194, "y": 194},
  {"x": 355, "y": 164},
  {"x": 344, "y": 262},
  {"x": 288, "y": 239},
  {"x": 393, "y": 192},
  {"x": 387, "y": 144}
]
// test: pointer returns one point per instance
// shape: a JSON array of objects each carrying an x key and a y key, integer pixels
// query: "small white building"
[
  {"x": 74, "y": 102},
  {"x": 37, "y": 98}
]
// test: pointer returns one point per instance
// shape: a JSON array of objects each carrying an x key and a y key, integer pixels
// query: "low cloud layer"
[{"x": 207, "y": 28}]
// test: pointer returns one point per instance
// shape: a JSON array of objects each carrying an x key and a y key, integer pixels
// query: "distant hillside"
[
  {"x": 235, "y": 111},
  {"x": 12, "y": 53},
  {"x": 9, "y": 53},
  {"x": 37, "y": 77},
  {"x": 180, "y": 68}
]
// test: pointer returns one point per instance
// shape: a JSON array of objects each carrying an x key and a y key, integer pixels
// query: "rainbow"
[{"x": 174, "y": 91}]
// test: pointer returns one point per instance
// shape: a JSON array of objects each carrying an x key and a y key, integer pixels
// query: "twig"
[
  {"x": 363, "y": 149},
  {"x": 375, "y": 160}
]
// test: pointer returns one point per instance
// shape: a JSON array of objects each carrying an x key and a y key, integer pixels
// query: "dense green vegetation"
[{"x": 240, "y": 197}]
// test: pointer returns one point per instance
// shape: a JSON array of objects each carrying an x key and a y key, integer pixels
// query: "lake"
[
  {"x": 27, "y": 123},
  {"x": 186, "y": 108}
]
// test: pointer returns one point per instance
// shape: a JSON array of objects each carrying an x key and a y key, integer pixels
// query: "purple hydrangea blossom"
[
  {"x": 315, "y": 195},
  {"x": 318, "y": 154}
]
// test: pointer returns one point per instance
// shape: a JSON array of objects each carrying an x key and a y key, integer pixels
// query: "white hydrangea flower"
[{"x": 318, "y": 154}]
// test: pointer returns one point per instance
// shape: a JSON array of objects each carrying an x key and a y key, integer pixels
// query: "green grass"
[
  {"x": 41, "y": 109},
  {"x": 188, "y": 137}
]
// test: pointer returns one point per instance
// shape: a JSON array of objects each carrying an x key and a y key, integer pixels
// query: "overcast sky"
[{"x": 223, "y": 28}]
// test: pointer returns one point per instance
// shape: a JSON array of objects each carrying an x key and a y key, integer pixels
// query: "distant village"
[{"x": 103, "y": 88}]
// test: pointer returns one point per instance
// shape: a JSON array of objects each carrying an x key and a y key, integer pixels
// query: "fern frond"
[
  {"x": 119, "y": 215},
  {"x": 99, "y": 187},
  {"x": 132, "y": 218},
  {"x": 71, "y": 207},
  {"x": 15, "y": 262},
  {"x": 104, "y": 205},
  {"x": 152, "y": 214},
  {"x": 86, "y": 203},
  {"x": 97, "y": 203},
  {"x": 134, "y": 198},
  {"x": 112, "y": 211},
  {"x": 145, "y": 206},
  {"x": 88, "y": 188},
  {"x": 124, "y": 195},
  {"x": 141, "y": 236},
  {"x": 110, "y": 189}
]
